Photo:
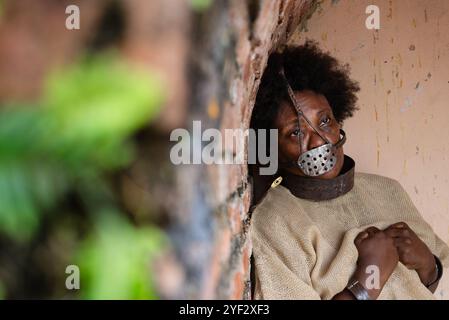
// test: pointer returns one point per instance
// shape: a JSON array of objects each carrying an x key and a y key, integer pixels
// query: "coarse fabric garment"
[{"x": 305, "y": 249}]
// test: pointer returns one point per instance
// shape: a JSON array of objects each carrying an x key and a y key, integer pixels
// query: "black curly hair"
[{"x": 306, "y": 68}]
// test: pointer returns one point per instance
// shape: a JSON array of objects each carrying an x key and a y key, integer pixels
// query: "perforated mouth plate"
[{"x": 318, "y": 161}]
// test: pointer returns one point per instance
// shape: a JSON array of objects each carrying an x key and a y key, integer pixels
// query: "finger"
[
  {"x": 399, "y": 225},
  {"x": 372, "y": 230},
  {"x": 402, "y": 242},
  {"x": 404, "y": 253},
  {"x": 405, "y": 258},
  {"x": 394, "y": 232},
  {"x": 360, "y": 237}
]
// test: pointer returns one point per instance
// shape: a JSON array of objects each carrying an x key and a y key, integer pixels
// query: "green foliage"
[
  {"x": 103, "y": 104},
  {"x": 200, "y": 5},
  {"x": 78, "y": 133},
  {"x": 115, "y": 259}
]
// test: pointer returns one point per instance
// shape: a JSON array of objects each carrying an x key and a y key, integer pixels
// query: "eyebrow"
[
  {"x": 293, "y": 121},
  {"x": 323, "y": 110}
]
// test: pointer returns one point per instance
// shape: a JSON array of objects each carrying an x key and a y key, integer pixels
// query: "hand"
[
  {"x": 375, "y": 247},
  {"x": 412, "y": 251}
]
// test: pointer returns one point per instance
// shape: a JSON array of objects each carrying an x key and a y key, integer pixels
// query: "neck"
[{"x": 321, "y": 189}]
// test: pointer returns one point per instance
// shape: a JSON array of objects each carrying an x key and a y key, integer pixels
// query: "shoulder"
[
  {"x": 277, "y": 209},
  {"x": 375, "y": 181},
  {"x": 277, "y": 201},
  {"x": 278, "y": 222},
  {"x": 383, "y": 192},
  {"x": 374, "y": 178}
]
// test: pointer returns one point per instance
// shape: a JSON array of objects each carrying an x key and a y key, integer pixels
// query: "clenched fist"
[
  {"x": 412, "y": 251},
  {"x": 375, "y": 249}
]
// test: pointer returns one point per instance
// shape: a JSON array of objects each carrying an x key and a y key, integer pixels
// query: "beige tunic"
[{"x": 305, "y": 250}]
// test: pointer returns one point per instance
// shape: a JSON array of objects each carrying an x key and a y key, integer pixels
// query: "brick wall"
[{"x": 232, "y": 42}]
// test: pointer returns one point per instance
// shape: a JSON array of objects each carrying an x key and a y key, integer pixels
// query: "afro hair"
[{"x": 306, "y": 67}]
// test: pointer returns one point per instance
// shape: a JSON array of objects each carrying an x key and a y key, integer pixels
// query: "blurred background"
[{"x": 86, "y": 116}]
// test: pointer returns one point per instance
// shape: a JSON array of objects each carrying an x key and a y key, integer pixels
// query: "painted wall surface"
[{"x": 402, "y": 128}]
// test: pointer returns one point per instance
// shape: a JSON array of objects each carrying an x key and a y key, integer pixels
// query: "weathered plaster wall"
[{"x": 402, "y": 126}]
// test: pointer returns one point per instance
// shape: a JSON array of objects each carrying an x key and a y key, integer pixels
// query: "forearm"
[
  {"x": 431, "y": 277},
  {"x": 361, "y": 276}
]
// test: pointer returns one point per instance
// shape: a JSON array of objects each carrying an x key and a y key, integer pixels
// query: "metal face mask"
[{"x": 319, "y": 160}]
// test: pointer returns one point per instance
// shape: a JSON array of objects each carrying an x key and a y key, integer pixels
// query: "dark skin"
[
  {"x": 383, "y": 248},
  {"x": 319, "y": 112}
]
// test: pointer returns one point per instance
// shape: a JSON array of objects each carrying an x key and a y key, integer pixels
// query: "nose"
[{"x": 311, "y": 140}]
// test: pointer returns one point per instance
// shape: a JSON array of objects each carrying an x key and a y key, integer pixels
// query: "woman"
[{"x": 322, "y": 231}]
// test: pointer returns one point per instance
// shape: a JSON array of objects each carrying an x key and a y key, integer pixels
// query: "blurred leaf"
[
  {"x": 80, "y": 132},
  {"x": 96, "y": 105},
  {"x": 115, "y": 261},
  {"x": 21, "y": 131},
  {"x": 200, "y": 5},
  {"x": 26, "y": 190}
]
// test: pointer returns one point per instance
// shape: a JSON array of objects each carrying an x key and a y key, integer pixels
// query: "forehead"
[
  {"x": 311, "y": 103},
  {"x": 311, "y": 100}
]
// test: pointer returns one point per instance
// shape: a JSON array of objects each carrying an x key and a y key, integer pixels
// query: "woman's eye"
[
  {"x": 325, "y": 121},
  {"x": 295, "y": 133}
]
